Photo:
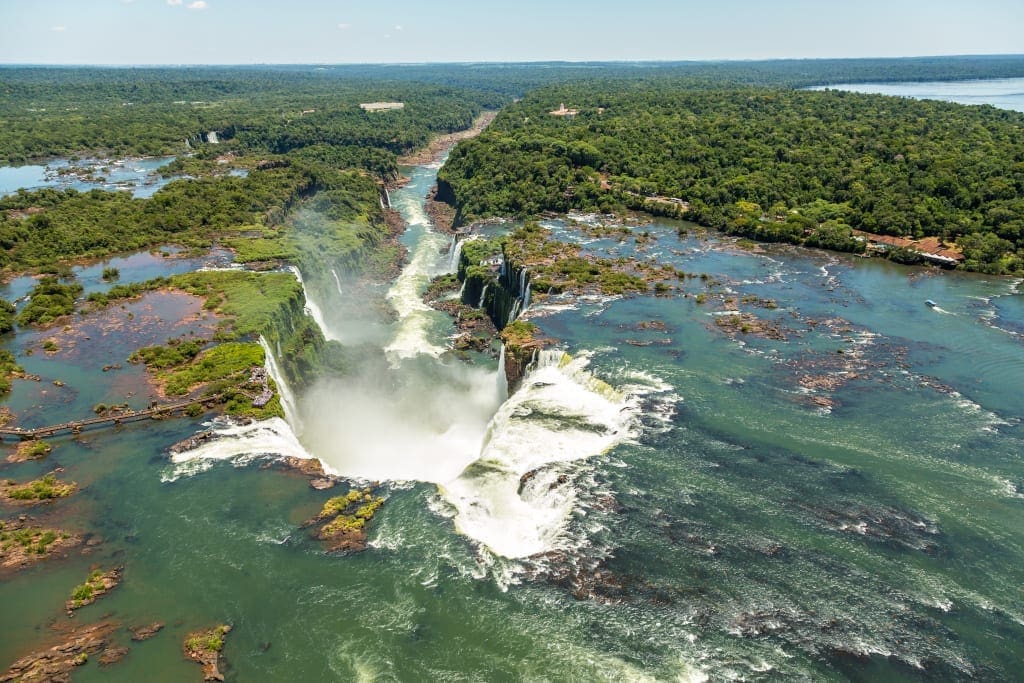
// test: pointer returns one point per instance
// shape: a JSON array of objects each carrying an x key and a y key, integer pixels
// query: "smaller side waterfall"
[
  {"x": 502, "y": 380},
  {"x": 291, "y": 412},
  {"x": 454, "y": 254},
  {"x": 337, "y": 281},
  {"x": 311, "y": 307},
  {"x": 483, "y": 293}
]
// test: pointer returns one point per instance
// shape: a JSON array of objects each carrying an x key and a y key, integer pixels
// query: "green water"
[{"x": 741, "y": 533}]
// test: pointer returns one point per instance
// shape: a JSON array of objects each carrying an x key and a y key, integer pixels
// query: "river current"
[{"x": 665, "y": 498}]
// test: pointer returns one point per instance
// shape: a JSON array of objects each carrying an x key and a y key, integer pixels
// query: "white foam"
[
  {"x": 561, "y": 414},
  {"x": 240, "y": 444},
  {"x": 412, "y": 334}
]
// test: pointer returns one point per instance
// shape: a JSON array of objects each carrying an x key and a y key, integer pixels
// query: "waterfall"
[
  {"x": 515, "y": 310},
  {"x": 462, "y": 290},
  {"x": 291, "y": 413},
  {"x": 502, "y": 380},
  {"x": 242, "y": 443},
  {"x": 526, "y": 296},
  {"x": 337, "y": 281},
  {"x": 515, "y": 515},
  {"x": 483, "y": 292},
  {"x": 312, "y": 309},
  {"x": 387, "y": 197},
  {"x": 454, "y": 254}
]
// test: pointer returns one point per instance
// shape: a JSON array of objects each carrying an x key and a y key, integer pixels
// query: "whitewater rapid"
[{"x": 511, "y": 498}]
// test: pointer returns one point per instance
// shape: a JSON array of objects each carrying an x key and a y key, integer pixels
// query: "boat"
[{"x": 930, "y": 304}]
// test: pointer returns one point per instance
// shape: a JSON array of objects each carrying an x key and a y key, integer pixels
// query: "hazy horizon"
[{"x": 262, "y": 32}]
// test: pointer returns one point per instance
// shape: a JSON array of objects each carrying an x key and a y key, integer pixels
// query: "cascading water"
[
  {"x": 483, "y": 294},
  {"x": 291, "y": 413},
  {"x": 501, "y": 380},
  {"x": 239, "y": 444},
  {"x": 337, "y": 281},
  {"x": 561, "y": 414},
  {"x": 242, "y": 443},
  {"x": 456, "y": 253},
  {"x": 415, "y": 318},
  {"x": 312, "y": 308}
]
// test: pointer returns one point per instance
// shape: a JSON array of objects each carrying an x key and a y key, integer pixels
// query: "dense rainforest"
[
  {"x": 772, "y": 164},
  {"x": 304, "y": 147},
  {"x": 50, "y": 111}
]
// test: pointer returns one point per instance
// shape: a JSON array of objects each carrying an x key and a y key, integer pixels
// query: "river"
[
  {"x": 841, "y": 499},
  {"x": 1005, "y": 93}
]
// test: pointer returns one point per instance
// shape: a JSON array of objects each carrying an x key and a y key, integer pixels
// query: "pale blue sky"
[{"x": 322, "y": 31}]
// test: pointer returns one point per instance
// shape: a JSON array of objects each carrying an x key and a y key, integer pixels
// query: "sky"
[{"x": 342, "y": 31}]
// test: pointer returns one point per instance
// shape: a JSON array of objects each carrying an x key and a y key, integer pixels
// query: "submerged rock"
[
  {"x": 113, "y": 655},
  {"x": 146, "y": 631}
]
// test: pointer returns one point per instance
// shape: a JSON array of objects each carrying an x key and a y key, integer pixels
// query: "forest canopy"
[{"x": 776, "y": 165}]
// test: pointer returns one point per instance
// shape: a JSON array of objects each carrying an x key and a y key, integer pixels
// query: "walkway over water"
[{"x": 76, "y": 427}]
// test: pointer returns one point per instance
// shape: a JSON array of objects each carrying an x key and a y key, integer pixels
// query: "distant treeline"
[
  {"x": 308, "y": 149},
  {"x": 55, "y": 111},
  {"x": 776, "y": 165},
  {"x": 51, "y": 112}
]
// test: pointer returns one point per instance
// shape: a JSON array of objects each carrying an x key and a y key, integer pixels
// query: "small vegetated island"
[{"x": 916, "y": 179}]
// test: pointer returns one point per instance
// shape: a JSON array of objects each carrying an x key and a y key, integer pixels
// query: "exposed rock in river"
[
  {"x": 56, "y": 663},
  {"x": 348, "y": 515},
  {"x": 203, "y": 647},
  {"x": 96, "y": 586},
  {"x": 22, "y": 544}
]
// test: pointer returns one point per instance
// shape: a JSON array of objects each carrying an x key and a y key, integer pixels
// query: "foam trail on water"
[{"x": 561, "y": 414}]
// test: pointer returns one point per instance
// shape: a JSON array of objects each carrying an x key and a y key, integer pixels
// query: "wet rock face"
[{"x": 192, "y": 442}]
